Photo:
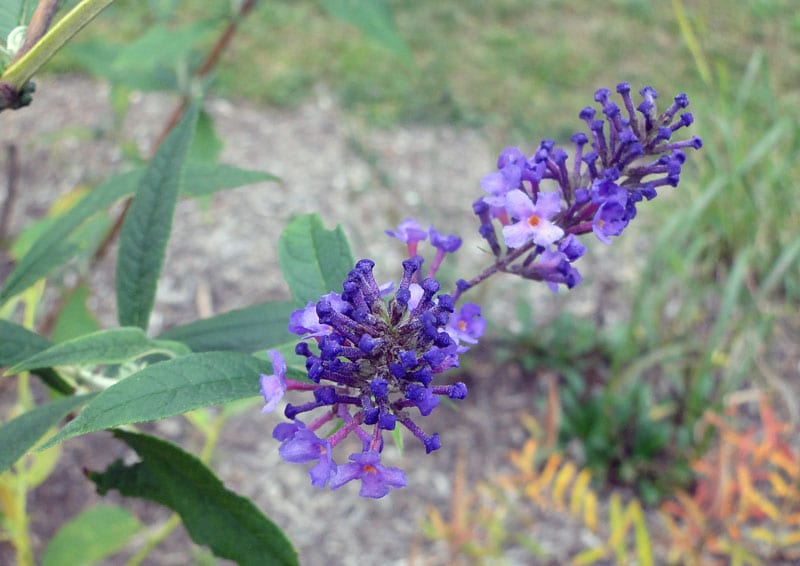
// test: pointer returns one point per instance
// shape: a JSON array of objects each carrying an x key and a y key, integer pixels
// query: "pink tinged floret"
[
  {"x": 411, "y": 233},
  {"x": 273, "y": 386},
  {"x": 376, "y": 479},
  {"x": 533, "y": 221}
]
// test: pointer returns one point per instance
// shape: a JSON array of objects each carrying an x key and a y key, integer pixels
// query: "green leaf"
[
  {"x": 213, "y": 516},
  {"x": 18, "y": 435},
  {"x": 169, "y": 388},
  {"x": 202, "y": 179},
  {"x": 96, "y": 533},
  {"x": 243, "y": 330},
  {"x": 14, "y": 13},
  {"x": 98, "y": 57},
  {"x": 373, "y": 18},
  {"x": 113, "y": 346},
  {"x": 147, "y": 226},
  {"x": 54, "y": 247},
  {"x": 314, "y": 260},
  {"x": 162, "y": 46},
  {"x": 75, "y": 319},
  {"x": 18, "y": 343},
  {"x": 206, "y": 144}
]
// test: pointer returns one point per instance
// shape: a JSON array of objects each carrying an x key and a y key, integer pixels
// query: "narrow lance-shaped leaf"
[
  {"x": 113, "y": 346},
  {"x": 169, "y": 388},
  {"x": 18, "y": 435},
  {"x": 53, "y": 248},
  {"x": 18, "y": 343},
  {"x": 202, "y": 179},
  {"x": 373, "y": 18},
  {"x": 147, "y": 226},
  {"x": 243, "y": 330},
  {"x": 227, "y": 523},
  {"x": 314, "y": 260}
]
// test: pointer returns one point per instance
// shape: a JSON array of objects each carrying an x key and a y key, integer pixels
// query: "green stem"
[
  {"x": 22, "y": 540},
  {"x": 22, "y": 70},
  {"x": 162, "y": 533}
]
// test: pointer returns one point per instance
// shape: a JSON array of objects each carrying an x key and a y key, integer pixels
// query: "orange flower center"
[{"x": 534, "y": 220}]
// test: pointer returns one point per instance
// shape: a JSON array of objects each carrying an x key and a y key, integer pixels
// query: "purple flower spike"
[
  {"x": 376, "y": 479},
  {"x": 273, "y": 386},
  {"x": 375, "y": 362},
  {"x": 620, "y": 161}
]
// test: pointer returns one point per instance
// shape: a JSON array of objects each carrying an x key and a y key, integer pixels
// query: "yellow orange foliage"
[{"x": 745, "y": 506}]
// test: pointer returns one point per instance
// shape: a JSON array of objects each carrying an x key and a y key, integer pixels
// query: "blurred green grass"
[{"x": 515, "y": 65}]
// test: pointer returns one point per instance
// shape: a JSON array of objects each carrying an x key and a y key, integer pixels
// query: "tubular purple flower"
[
  {"x": 376, "y": 479},
  {"x": 409, "y": 232},
  {"x": 273, "y": 386}
]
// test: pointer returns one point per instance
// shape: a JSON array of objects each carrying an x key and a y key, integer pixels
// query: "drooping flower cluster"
[
  {"x": 371, "y": 365},
  {"x": 542, "y": 204}
]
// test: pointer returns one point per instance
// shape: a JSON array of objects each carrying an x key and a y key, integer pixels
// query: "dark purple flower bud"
[
  {"x": 367, "y": 343},
  {"x": 325, "y": 395},
  {"x": 458, "y": 391},
  {"x": 387, "y": 421}
]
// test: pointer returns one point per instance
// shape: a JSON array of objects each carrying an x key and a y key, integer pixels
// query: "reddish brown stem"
[{"x": 39, "y": 24}]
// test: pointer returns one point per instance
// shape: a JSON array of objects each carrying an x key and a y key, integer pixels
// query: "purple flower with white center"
[
  {"x": 533, "y": 220},
  {"x": 376, "y": 479},
  {"x": 273, "y": 386},
  {"x": 467, "y": 325},
  {"x": 411, "y": 233},
  {"x": 375, "y": 368}
]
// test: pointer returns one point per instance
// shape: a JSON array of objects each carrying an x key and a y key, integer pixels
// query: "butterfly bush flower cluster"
[
  {"x": 373, "y": 360},
  {"x": 372, "y": 365},
  {"x": 542, "y": 203}
]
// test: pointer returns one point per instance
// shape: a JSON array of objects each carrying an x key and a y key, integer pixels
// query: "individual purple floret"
[
  {"x": 375, "y": 478},
  {"x": 374, "y": 367},
  {"x": 623, "y": 160},
  {"x": 409, "y": 232}
]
